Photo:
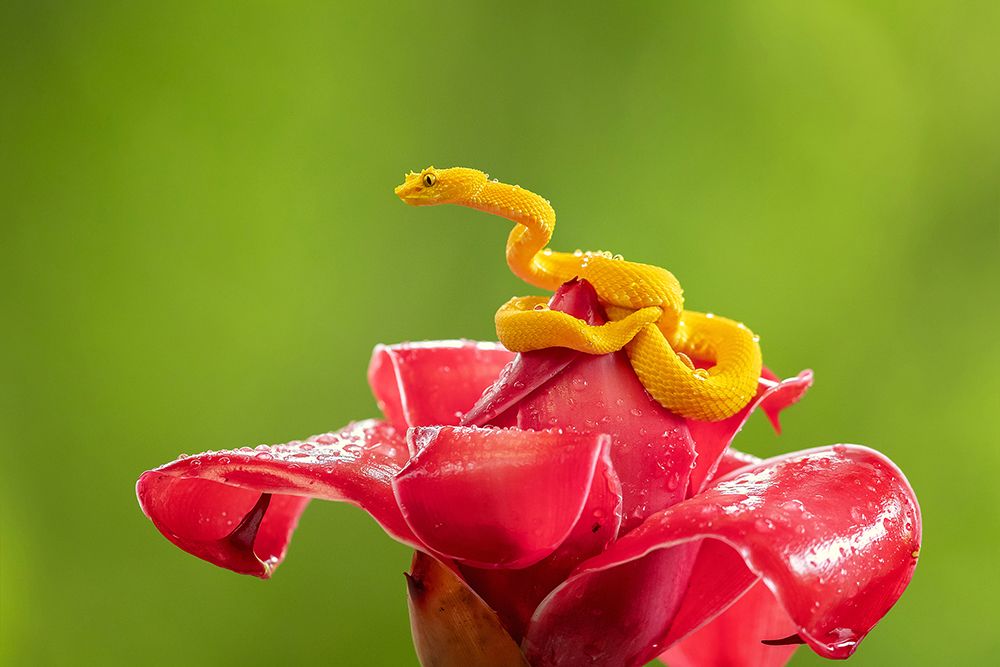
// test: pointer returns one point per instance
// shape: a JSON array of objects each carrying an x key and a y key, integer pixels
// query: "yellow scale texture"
[{"x": 644, "y": 303}]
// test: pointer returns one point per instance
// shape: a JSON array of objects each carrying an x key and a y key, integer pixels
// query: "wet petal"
[
  {"x": 212, "y": 505},
  {"x": 558, "y": 388},
  {"x": 834, "y": 532},
  {"x": 496, "y": 497},
  {"x": 451, "y": 625},
  {"x": 515, "y": 594},
  {"x": 712, "y": 438},
  {"x": 434, "y": 382},
  {"x": 530, "y": 370},
  {"x": 651, "y": 448}
]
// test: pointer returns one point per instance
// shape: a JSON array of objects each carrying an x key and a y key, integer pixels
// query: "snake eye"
[{"x": 430, "y": 179}]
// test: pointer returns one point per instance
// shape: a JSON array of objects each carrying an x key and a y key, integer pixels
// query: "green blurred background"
[{"x": 200, "y": 247}]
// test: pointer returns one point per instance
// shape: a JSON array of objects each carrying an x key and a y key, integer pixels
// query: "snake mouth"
[{"x": 414, "y": 195}]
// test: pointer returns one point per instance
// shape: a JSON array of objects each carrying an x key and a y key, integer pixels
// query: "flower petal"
[
  {"x": 712, "y": 438},
  {"x": 530, "y": 370},
  {"x": 451, "y": 625},
  {"x": 215, "y": 505},
  {"x": 651, "y": 448},
  {"x": 734, "y": 637},
  {"x": 496, "y": 497},
  {"x": 434, "y": 382},
  {"x": 582, "y": 393},
  {"x": 834, "y": 532},
  {"x": 515, "y": 594}
]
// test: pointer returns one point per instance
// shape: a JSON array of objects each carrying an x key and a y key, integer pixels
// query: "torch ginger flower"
[
  {"x": 578, "y": 503},
  {"x": 560, "y": 516}
]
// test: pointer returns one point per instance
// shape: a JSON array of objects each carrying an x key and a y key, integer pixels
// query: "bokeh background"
[{"x": 199, "y": 247}]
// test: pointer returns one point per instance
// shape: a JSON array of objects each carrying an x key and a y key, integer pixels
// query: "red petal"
[
  {"x": 515, "y": 594},
  {"x": 496, "y": 497},
  {"x": 651, "y": 448},
  {"x": 530, "y": 370},
  {"x": 423, "y": 384},
  {"x": 712, "y": 438},
  {"x": 558, "y": 388},
  {"x": 734, "y": 459},
  {"x": 612, "y": 617},
  {"x": 833, "y": 531},
  {"x": 205, "y": 503},
  {"x": 734, "y": 637}
]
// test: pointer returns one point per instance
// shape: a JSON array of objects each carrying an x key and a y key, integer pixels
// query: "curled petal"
[
  {"x": 496, "y": 497},
  {"x": 712, "y": 438},
  {"x": 515, "y": 594},
  {"x": 238, "y": 508},
  {"x": 833, "y": 532},
  {"x": 434, "y": 382},
  {"x": 451, "y": 625}
]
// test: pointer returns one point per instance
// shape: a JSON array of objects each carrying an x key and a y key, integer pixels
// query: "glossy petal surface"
[
  {"x": 832, "y": 531},
  {"x": 198, "y": 501},
  {"x": 651, "y": 448},
  {"x": 515, "y": 594},
  {"x": 434, "y": 382},
  {"x": 496, "y": 497}
]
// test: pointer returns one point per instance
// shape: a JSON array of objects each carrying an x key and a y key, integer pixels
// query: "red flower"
[{"x": 599, "y": 527}]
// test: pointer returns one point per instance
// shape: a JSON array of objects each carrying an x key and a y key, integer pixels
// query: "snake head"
[{"x": 441, "y": 186}]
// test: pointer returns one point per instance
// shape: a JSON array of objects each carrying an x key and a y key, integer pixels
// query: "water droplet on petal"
[{"x": 764, "y": 525}]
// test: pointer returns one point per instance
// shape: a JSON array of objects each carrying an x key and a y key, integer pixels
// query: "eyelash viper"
[{"x": 645, "y": 304}]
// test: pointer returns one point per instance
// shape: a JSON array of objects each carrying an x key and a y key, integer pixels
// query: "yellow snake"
[{"x": 645, "y": 303}]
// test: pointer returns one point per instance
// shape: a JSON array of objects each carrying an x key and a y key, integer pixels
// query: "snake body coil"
[{"x": 645, "y": 303}]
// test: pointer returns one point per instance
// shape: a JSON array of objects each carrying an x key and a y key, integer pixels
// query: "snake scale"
[{"x": 645, "y": 303}]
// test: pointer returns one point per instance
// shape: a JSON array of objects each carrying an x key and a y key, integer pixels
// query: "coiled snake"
[{"x": 645, "y": 304}]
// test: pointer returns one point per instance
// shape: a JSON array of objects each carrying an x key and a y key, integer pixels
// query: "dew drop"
[
  {"x": 764, "y": 525},
  {"x": 673, "y": 481}
]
